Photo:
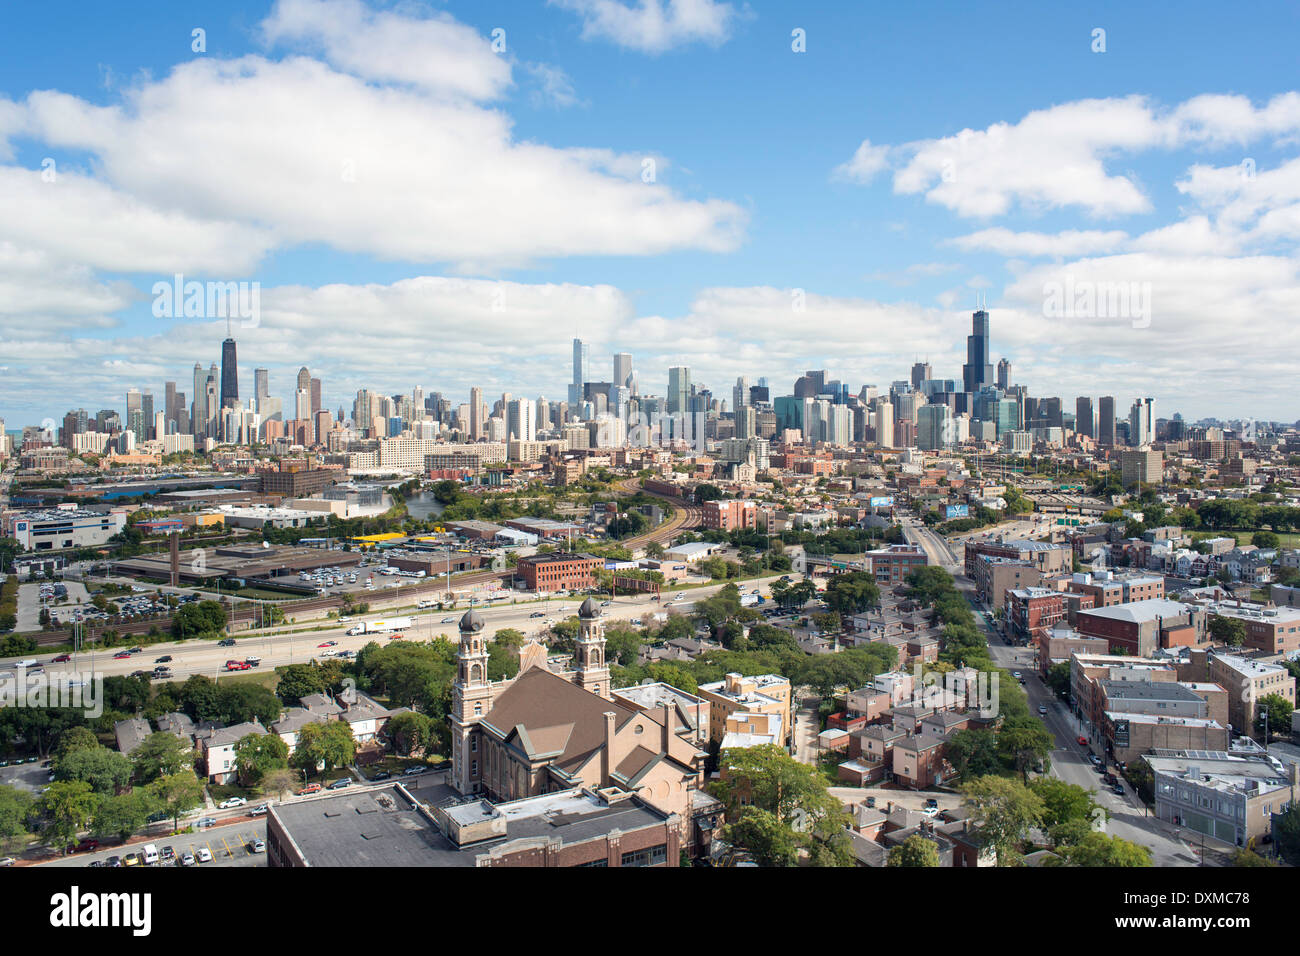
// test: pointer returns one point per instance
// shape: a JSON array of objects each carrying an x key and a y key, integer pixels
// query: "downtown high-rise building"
[
  {"x": 623, "y": 372},
  {"x": 261, "y": 384},
  {"x": 581, "y": 355},
  {"x": 229, "y": 374},
  {"x": 1106, "y": 421},
  {"x": 1142, "y": 423},
  {"x": 921, "y": 372},
  {"x": 1084, "y": 421},
  {"x": 476, "y": 413},
  {"x": 521, "y": 419},
  {"x": 977, "y": 372},
  {"x": 199, "y": 411},
  {"x": 1004, "y": 374},
  {"x": 740, "y": 394},
  {"x": 679, "y": 390}
]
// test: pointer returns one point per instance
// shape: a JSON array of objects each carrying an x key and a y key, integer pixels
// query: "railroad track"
[{"x": 686, "y": 515}]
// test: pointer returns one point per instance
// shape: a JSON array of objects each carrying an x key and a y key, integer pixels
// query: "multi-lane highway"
[{"x": 205, "y": 657}]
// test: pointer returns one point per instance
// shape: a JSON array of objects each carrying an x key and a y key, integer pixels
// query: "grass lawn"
[
  {"x": 1287, "y": 539},
  {"x": 222, "y": 791}
]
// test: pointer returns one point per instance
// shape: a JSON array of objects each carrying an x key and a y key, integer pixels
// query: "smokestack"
[
  {"x": 607, "y": 754},
  {"x": 174, "y": 544}
]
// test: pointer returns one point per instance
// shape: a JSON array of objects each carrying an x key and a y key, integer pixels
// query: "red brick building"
[
  {"x": 893, "y": 564},
  {"x": 559, "y": 570},
  {"x": 727, "y": 514},
  {"x": 1031, "y": 612}
]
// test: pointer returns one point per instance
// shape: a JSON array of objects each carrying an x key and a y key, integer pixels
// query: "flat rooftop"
[{"x": 387, "y": 827}]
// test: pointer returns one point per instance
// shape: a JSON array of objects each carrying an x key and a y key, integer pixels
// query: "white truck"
[{"x": 380, "y": 627}]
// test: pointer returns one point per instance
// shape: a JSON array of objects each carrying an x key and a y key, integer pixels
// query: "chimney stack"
[
  {"x": 607, "y": 754},
  {"x": 670, "y": 719}
]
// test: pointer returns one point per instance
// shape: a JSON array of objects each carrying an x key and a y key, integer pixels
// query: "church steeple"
[
  {"x": 592, "y": 672},
  {"x": 471, "y": 699}
]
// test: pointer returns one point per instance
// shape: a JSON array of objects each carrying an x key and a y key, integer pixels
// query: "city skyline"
[{"x": 1172, "y": 184}]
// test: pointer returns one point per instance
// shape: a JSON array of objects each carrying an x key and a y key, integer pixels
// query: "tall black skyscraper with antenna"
[
  {"x": 977, "y": 372},
  {"x": 229, "y": 372}
]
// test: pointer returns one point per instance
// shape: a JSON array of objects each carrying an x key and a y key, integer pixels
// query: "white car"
[
  {"x": 231, "y": 802},
  {"x": 204, "y": 855}
]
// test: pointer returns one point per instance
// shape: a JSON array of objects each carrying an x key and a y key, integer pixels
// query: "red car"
[
  {"x": 85, "y": 846},
  {"x": 1083, "y": 741},
  {"x": 328, "y": 644},
  {"x": 236, "y": 665},
  {"x": 61, "y": 659},
  {"x": 396, "y": 637},
  {"x": 121, "y": 655}
]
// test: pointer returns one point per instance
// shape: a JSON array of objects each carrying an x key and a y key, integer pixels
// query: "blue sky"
[{"x": 478, "y": 235}]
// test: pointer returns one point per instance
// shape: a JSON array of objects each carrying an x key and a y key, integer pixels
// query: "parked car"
[
  {"x": 340, "y": 783},
  {"x": 257, "y": 846},
  {"x": 1082, "y": 740},
  {"x": 187, "y": 859},
  {"x": 1118, "y": 790},
  {"x": 205, "y": 855},
  {"x": 412, "y": 771},
  {"x": 207, "y": 822},
  {"x": 309, "y": 789},
  {"x": 380, "y": 775},
  {"x": 1042, "y": 710},
  {"x": 168, "y": 855},
  {"x": 132, "y": 859},
  {"x": 231, "y": 802},
  {"x": 113, "y": 861}
]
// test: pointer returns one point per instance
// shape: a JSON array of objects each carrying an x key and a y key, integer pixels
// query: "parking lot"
[
  {"x": 229, "y": 846},
  {"x": 32, "y": 777}
]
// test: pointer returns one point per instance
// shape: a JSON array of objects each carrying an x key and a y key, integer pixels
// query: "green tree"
[
  {"x": 973, "y": 753},
  {"x": 104, "y": 770},
  {"x": 65, "y": 809},
  {"x": 916, "y": 850},
  {"x": 1063, "y": 802},
  {"x": 74, "y": 738},
  {"x": 1025, "y": 743},
  {"x": 1227, "y": 630},
  {"x": 298, "y": 681},
  {"x": 768, "y": 839},
  {"x": 1279, "y": 714},
  {"x": 177, "y": 793},
  {"x": 1100, "y": 849},
  {"x": 852, "y": 592},
  {"x": 15, "y": 805},
  {"x": 256, "y": 755},
  {"x": 410, "y": 732},
  {"x": 120, "y": 815},
  {"x": 794, "y": 795},
  {"x": 160, "y": 754},
  {"x": 324, "y": 746},
  {"x": 1004, "y": 810},
  {"x": 1246, "y": 856}
]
